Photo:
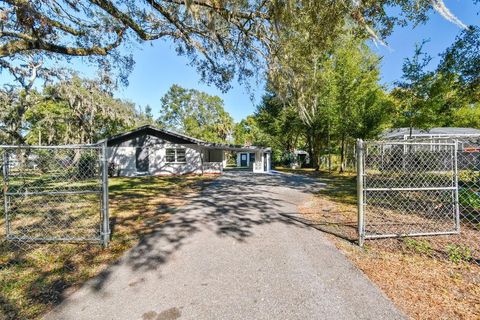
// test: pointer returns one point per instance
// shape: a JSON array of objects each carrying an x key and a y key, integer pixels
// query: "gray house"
[
  {"x": 153, "y": 151},
  {"x": 445, "y": 132}
]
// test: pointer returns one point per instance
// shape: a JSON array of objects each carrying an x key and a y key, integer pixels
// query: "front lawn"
[{"x": 34, "y": 278}]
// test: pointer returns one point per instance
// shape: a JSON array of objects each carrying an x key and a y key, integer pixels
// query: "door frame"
[{"x": 243, "y": 159}]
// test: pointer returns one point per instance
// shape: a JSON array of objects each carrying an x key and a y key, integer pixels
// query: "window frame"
[
  {"x": 184, "y": 151},
  {"x": 175, "y": 155}
]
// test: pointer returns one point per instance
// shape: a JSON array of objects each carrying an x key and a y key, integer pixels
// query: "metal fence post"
[
  {"x": 5, "y": 190},
  {"x": 105, "y": 213},
  {"x": 455, "y": 172},
  {"x": 360, "y": 204}
]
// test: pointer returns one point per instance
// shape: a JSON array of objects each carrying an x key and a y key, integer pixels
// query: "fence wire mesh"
[
  {"x": 51, "y": 195},
  {"x": 423, "y": 194}
]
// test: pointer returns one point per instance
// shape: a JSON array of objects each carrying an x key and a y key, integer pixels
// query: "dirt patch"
[
  {"x": 169, "y": 314},
  {"x": 420, "y": 277}
]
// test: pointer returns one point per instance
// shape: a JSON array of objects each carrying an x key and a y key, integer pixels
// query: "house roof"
[
  {"x": 177, "y": 138},
  {"x": 400, "y": 133}
]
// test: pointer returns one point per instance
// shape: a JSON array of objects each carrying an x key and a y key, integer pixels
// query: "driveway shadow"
[{"x": 231, "y": 206}]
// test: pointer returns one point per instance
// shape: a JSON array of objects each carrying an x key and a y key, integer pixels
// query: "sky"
[{"x": 158, "y": 67}]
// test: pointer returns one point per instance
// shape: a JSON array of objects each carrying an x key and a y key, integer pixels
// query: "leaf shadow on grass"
[{"x": 161, "y": 228}]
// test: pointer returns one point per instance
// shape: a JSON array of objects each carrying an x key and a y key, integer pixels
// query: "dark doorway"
[
  {"x": 243, "y": 160},
  {"x": 251, "y": 159},
  {"x": 141, "y": 157}
]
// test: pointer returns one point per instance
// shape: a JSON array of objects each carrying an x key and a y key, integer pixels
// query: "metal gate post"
[
  {"x": 105, "y": 213},
  {"x": 455, "y": 172},
  {"x": 5, "y": 190},
  {"x": 360, "y": 204}
]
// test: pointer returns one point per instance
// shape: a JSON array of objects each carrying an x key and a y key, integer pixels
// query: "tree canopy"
[
  {"x": 196, "y": 114},
  {"x": 67, "y": 112},
  {"x": 222, "y": 38}
]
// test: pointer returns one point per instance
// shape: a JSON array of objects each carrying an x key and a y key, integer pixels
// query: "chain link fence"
[
  {"x": 51, "y": 195},
  {"x": 425, "y": 192}
]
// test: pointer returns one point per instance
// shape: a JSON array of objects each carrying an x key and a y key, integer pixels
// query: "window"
[
  {"x": 181, "y": 155},
  {"x": 175, "y": 155},
  {"x": 170, "y": 155}
]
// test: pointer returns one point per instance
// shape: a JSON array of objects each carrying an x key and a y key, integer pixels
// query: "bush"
[
  {"x": 112, "y": 169},
  {"x": 44, "y": 160},
  {"x": 469, "y": 198},
  {"x": 419, "y": 246},
  {"x": 458, "y": 253},
  {"x": 87, "y": 166}
]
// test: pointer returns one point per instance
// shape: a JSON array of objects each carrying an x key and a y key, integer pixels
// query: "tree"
[
  {"x": 361, "y": 107},
  {"x": 248, "y": 132},
  {"x": 222, "y": 38},
  {"x": 77, "y": 111},
  {"x": 196, "y": 114},
  {"x": 461, "y": 63},
  {"x": 442, "y": 96},
  {"x": 280, "y": 124},
  {"x": 414, "y": 92},
  {"x": 336, "y": 93}
]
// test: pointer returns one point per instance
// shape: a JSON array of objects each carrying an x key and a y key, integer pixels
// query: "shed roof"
[
  {"x": 400, "y": 133},
  {"x": 177, "y": 138}
]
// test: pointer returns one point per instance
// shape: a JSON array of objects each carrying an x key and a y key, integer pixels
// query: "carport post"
[{"x": 360, "y": 204}]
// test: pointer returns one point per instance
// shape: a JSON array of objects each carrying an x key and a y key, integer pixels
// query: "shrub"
[
  {"x": 419, "y": 246},
  {"x": 458, "y": 253},
  {"x": 87, "y": 166}
]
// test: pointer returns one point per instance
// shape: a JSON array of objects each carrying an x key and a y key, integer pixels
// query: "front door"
[{"x": 243, "y": 160}]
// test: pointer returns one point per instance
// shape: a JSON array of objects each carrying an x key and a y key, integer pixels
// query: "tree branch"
[
  {"x": 222, "y": 10},
  {"x": 17, "y": 46}
]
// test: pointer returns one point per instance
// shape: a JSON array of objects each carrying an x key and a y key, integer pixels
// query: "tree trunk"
[{"x": 342, "y": 153}]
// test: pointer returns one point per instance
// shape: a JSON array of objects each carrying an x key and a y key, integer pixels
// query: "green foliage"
[
  {"x": 328, "y": 99},
  {"x": 415, "y": 108},
  {"x": 87, "y": 166},
  {"x": 457, "y": 253},
  {"x": 68, "y": 112},
  {"x": 223, "y": 39},
  {"x": 418, "y": 246},
  {"x": 462, "y": 59},
  {"x": 446, "y": 96},
  {"x": 196, "y": 114},
  {"x": 469, "y": 198}
]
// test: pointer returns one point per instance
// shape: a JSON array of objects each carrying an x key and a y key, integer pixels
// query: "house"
[
  {"x": 149, "y": 150},
  {"x": 441, "y": 133}
]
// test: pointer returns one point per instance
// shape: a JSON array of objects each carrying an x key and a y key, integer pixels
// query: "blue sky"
[{"x": 158, "y": 67}]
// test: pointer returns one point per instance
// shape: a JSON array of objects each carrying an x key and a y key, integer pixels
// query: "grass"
[
  {"x": 428, "y": 277},
  {"x": 34, "y": 278}
]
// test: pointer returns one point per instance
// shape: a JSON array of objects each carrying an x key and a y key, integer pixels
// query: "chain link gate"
[
  {"x": 55, "y": 194},
  {"x": 407, "y": 189}
]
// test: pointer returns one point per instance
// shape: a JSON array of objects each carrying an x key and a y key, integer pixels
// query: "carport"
[{"x": 256, "y": 159}]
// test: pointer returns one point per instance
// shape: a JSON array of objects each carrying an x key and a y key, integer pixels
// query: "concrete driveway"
[{"x": 233, "y": 253}]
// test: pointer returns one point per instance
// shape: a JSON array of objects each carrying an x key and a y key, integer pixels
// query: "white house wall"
[
  {"x": 199, "y": 159},
  {"x": 123, "y": 156},
  {"x": 258, "y": 164},
  {"x": 124, "y": 160}
]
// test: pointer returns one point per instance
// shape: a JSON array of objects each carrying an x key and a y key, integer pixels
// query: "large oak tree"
[{"x": 223, "y": 38}]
